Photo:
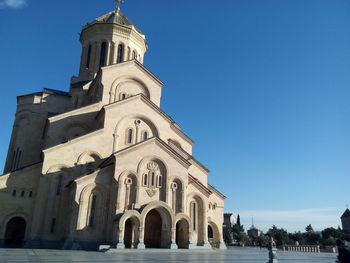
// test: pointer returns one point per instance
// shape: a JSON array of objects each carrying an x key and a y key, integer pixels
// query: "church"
[{"x": 103, "y": 165}]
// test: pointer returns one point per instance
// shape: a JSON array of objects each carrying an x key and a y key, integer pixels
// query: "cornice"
[
  {"x": 195, "y": 182},
  {"x": 212, "y": 188},
  {"x": 74, "y": 112}
]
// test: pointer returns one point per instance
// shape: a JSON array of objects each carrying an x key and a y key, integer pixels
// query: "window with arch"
[
  {"x": 153, "y": 178},
  {"x": 159, "y": 181},
  {"x": 120, "y": 53},
  {"x": 145, "y": 180},
  {"x": 144, "y": 136},
  {"x": 122, "y": 96},
  {"x": 134, "y": 55},
  {"x": 88, "y": 58},
  {"x": 194, "y": 212},
  {"x": 103, "y": 54},
  {"x": 92, "y": 212},
  {"x": 14, "y": 192},
  {"x": 129, "y": 136}
]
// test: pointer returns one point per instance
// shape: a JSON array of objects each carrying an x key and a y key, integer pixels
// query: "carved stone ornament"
[
  {"x": 152, "y": 166},
  {"x": 151, "y": 192}
]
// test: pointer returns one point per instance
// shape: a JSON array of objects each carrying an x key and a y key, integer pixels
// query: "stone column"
[
  {"x": 125, "y": 54},
  {"x": 121, "y": 239},
  {"x": 111, "y": 53},
  {"x": 141, "y": 244},
  {"x": 173, "y": 238},
  {"x": 174, "y": 199},
  {"x": 108, "y": 53}
]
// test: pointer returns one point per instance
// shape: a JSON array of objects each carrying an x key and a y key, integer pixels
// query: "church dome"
[{"x": 114, "y": 17}]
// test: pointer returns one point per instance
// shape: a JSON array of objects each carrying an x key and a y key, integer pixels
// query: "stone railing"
[{"x": 308, "y": 249}]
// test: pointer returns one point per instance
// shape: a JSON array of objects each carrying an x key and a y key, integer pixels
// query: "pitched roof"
[{"x": 346, "y": 213}]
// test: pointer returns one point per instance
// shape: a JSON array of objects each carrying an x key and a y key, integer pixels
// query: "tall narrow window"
[
  {"x": 130, "y": 135},
  {"x": 153, "y": 175},
  {"x": 88, "y": 58},
  {"x": 59, "y": 184},
  {"x": 92, "y": 211},
  {"x": 103, "y": 54},
  {"x": 134, "y": 55},
  {"x": 145, "y": 179},
  {"x": 194, "y": 215},
  {"x": 159, "y": 181},
  {"x": 145, "y": 136},
  {"x": 14, "y": 192},
  {"x": 120, "y": 53}
]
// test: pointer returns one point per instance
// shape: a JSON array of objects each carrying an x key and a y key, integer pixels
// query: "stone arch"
[
  {"x": 84, "y": 206},
  {"x": 74, "y": 130},
  {"x": 161, "y": 232},
  {"x": 129, "y": 233},
  {"x": 8, "y": 217},
  {"x": 143, "y": 169},
  {"x": 196, "y": 207},
  {"x": 215, "y": 239},
  {"x": 88, "y": 156},
  {"x": 177, "y": 194},
  {"x": 129, "y": 121},
  {"x": 122, "y": 189},
  {"x": 15, "y": 232},
  {"x": 125, "y": 83}
]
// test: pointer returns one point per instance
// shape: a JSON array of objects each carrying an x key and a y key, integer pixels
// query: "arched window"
[
  {"x": 92, "y": 211},
  {"x": 129, "y": 136},
  {"x": 59, "y": 184},
  {"x": 153, "y": 175},
  {"x": 122, "y": 96},
  {"x": 159, "y": 181},
  {"x": 103, "y": 54},
  {"x": 120, "y": 53},
  {"x": 134, "y": 55},
  {"x": 144, "y": 136},
  {"x": 14, "y": 192},
  {"x": 145, "y": 179},
  {"x": 88, "y": 57},
  {"x": 194, "y": 215}
]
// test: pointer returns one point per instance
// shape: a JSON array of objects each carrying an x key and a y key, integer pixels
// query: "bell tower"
[{"x": 108, "y": 40}]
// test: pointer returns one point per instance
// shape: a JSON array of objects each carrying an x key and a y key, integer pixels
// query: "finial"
[{"x": 118, "y": 3}]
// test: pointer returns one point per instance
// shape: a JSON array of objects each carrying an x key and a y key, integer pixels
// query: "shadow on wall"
[{"x": 71, "y": 208}]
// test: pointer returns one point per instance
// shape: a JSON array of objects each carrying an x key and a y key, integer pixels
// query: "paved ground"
[{"x": 239, "y": 255}]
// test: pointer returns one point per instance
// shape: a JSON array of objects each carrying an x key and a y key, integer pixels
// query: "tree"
[
  {"x": 309, "y": 228},
  {"x": 238, "y": 220},
  {"x": 331, "y": 232},
  {"x": 279, "y": 235}
]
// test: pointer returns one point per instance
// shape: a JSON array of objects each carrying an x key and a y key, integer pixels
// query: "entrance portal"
[
  {"x": 15, "y": 231},
  {"x": 153, "y": 229},
  {"x": 182, "y": 237},
  {"x": 128, "y": 233}
]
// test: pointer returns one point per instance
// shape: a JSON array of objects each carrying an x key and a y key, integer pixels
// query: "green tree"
[
  {"x": 331, "y": 232},
  {"x": 309, "y": 228},
  {"x": 238, "y": 220},
  {"x": 279, "y": 235}
]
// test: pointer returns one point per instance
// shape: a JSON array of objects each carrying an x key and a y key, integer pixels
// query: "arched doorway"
[
  {"x": 153, "y": 230},
  {"x": 182, "y": 234},
  {"x": 128, "y": 234},
  {"x": 210, "y": 234},
  {"x": 15, "y": 231}
]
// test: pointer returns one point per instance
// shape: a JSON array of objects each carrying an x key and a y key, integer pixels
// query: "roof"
[
  {"x": 346, "y": 213},
  {"x": 114, "y": 17}
]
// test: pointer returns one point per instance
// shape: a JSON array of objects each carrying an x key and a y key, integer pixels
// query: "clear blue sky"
[{"x": 261, "y": 86}]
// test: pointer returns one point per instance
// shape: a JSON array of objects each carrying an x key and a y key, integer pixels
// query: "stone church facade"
[{"x": 102, "y": 164}]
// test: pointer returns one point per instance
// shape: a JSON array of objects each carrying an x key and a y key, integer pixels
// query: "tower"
[
  {"x": 107, "y": 40},
  {"x": 345, "y": 221}
]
